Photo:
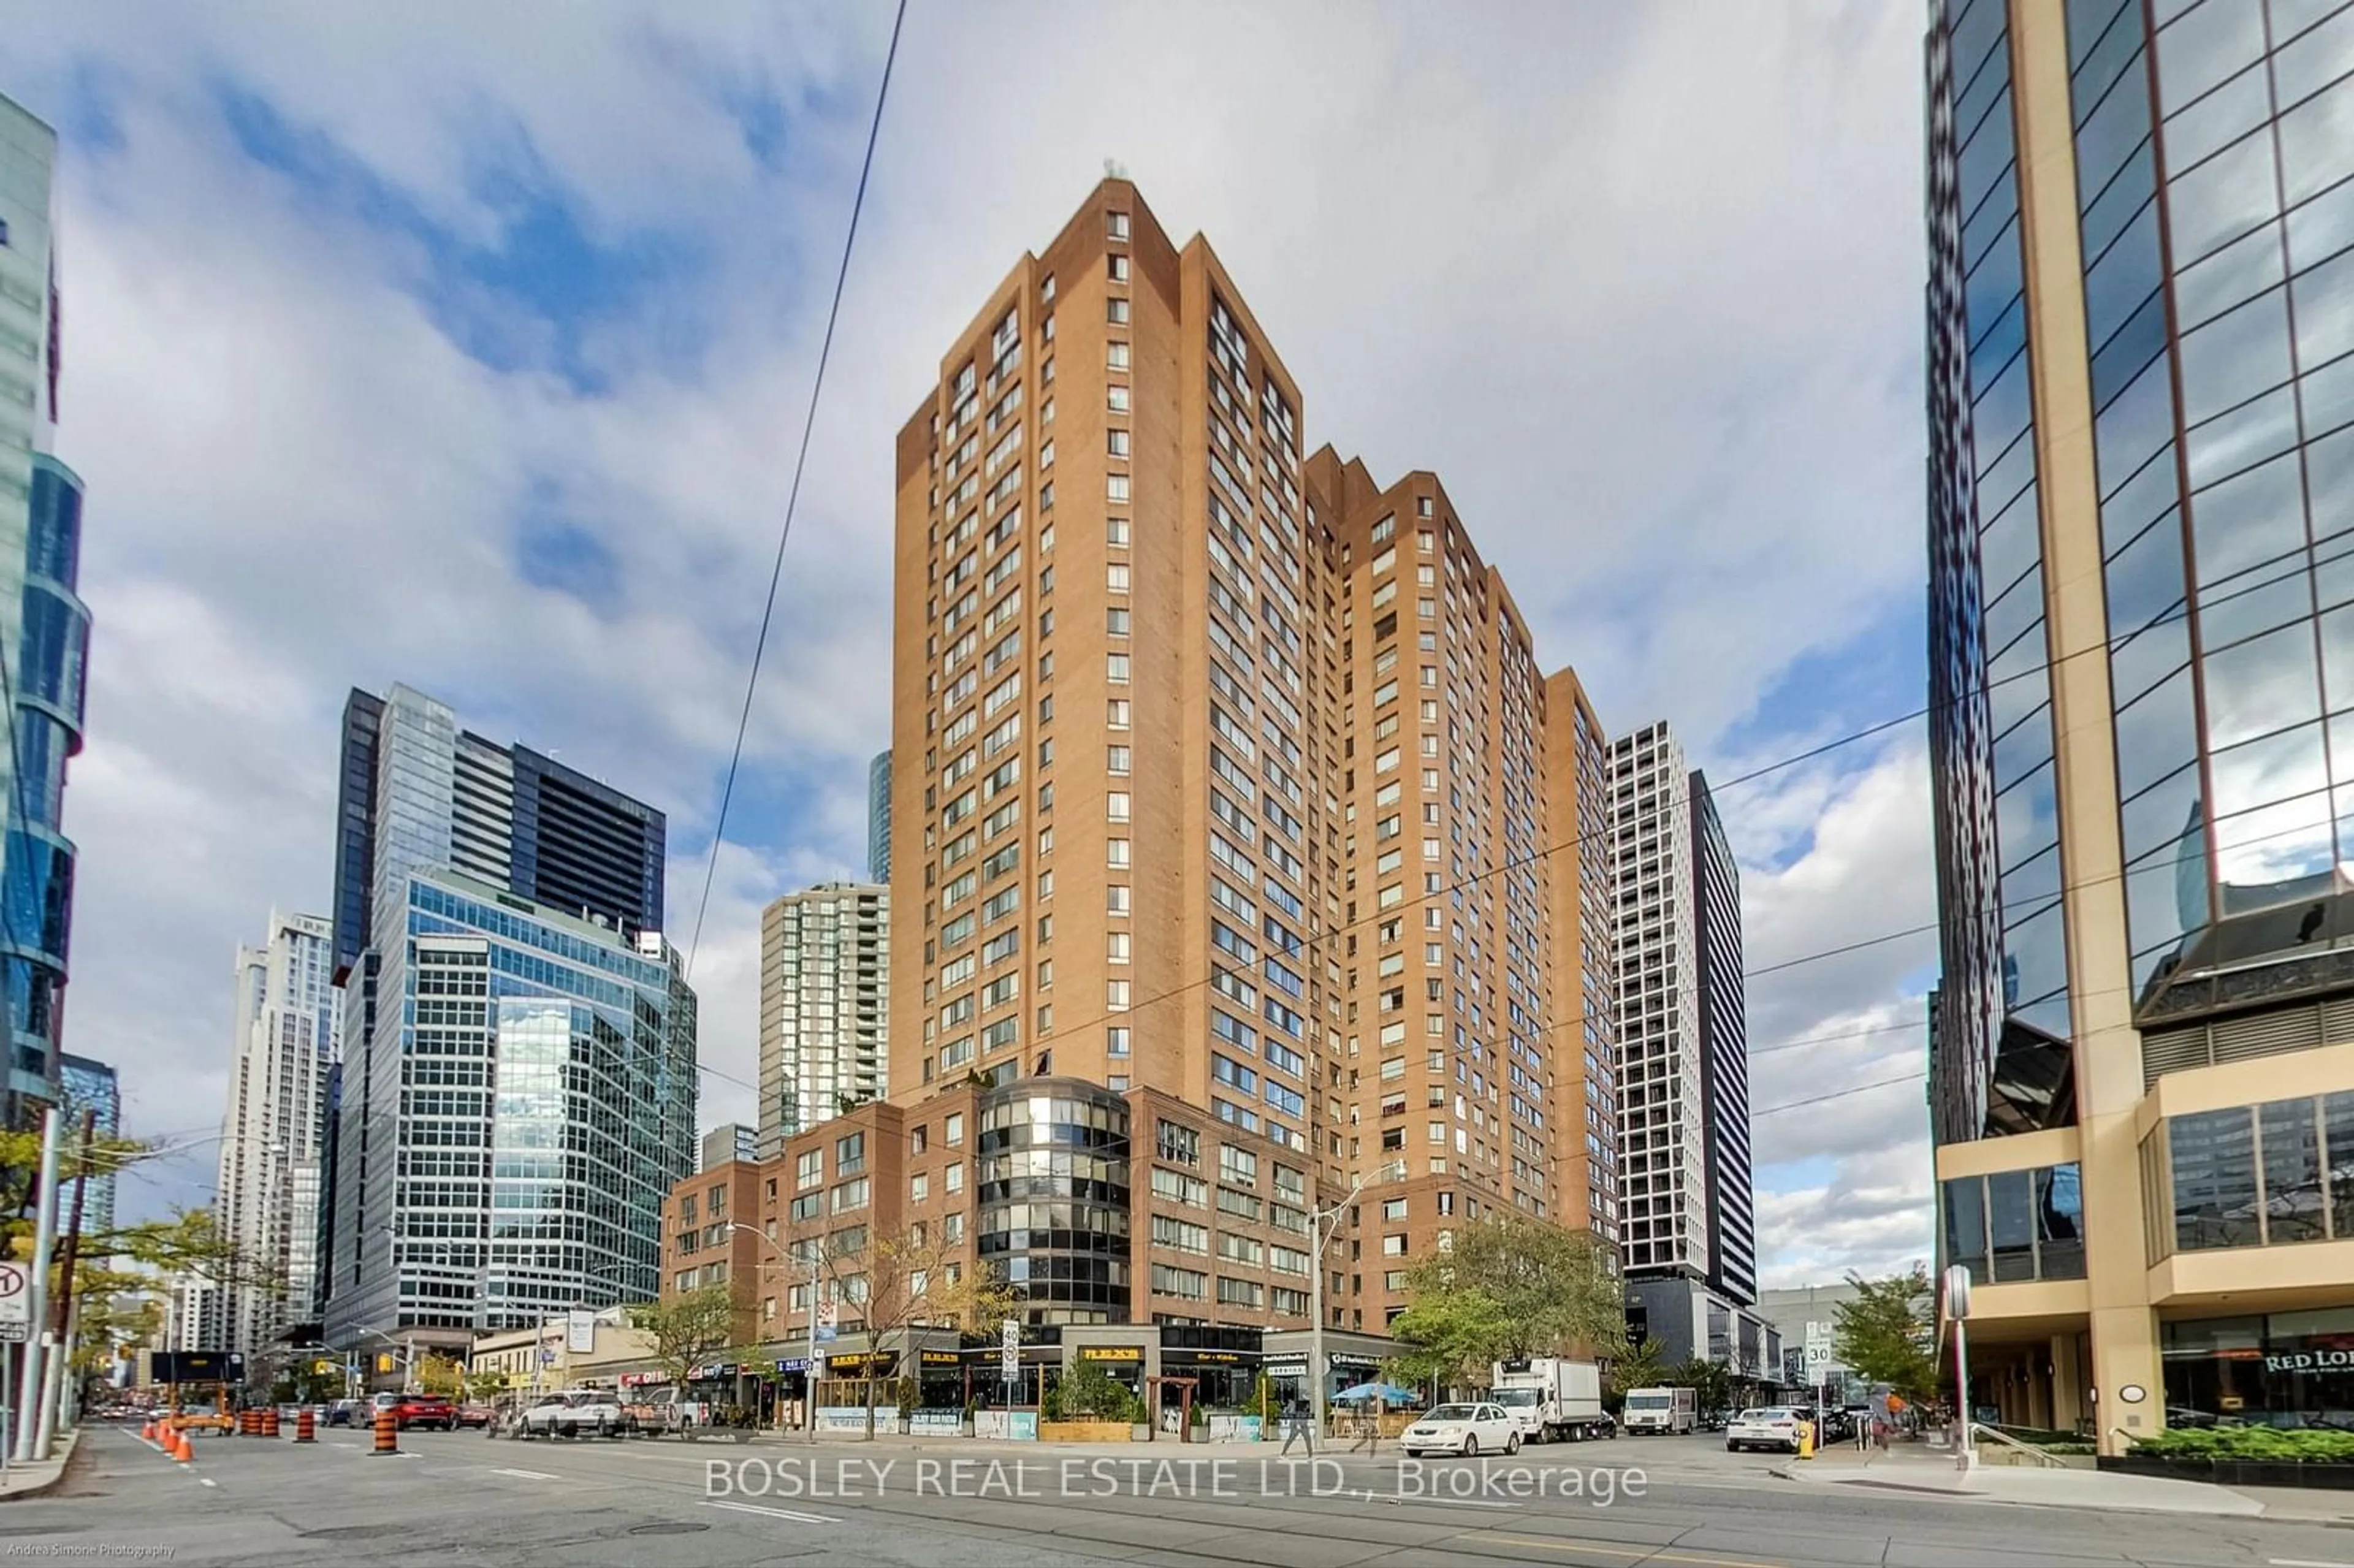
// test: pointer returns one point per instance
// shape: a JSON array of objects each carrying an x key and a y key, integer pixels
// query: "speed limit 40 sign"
[{"x": 16, "y": 1304}]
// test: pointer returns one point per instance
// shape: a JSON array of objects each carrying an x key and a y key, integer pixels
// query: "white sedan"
[
  {"x": 1771, "y": 1426},
  {"x": 1466, "y": 1429}
]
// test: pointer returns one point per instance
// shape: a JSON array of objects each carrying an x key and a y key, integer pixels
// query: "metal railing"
[{"x": 1981, "y": 1431}]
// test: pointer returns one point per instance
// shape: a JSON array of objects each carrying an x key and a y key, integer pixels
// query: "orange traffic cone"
[{"x": 179, "y": 1450}]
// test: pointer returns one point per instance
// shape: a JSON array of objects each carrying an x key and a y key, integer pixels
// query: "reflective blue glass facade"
[
  {"x": 2005, "y": 987},
  {"x": 2215, "y": 161},
  {"x": 524, "y": 1099},
  {"x": 88, "y": 1085},
  {"x": 47, "y": 680},
  {"x": 878, "y": 818}
]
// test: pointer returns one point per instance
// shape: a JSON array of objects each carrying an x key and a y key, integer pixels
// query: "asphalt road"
[{"x": 648, "y": 1504}]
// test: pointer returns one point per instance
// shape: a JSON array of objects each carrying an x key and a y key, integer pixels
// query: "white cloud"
[{"x": 1641, "y": 284}]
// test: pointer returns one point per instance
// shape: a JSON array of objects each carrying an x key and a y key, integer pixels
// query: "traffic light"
[
  {"x": 383, "y": 1361},
  {"x": 323, "y": 1367}
]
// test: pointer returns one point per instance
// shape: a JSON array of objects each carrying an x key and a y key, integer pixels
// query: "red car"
[{"x": 425, "y": 1410}]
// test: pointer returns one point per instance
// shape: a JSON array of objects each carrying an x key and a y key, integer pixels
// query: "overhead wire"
[{"x": 793, "y": 496}]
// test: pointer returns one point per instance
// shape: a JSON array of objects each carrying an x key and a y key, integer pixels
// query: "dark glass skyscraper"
[
  {"x": 45, "y": 729},
  {"x": 508, "y": 814},
  {"x": 2141, "y": 528},
  {"x": 497, "y": 938},
  {"x": 1723, "y": 1052}
]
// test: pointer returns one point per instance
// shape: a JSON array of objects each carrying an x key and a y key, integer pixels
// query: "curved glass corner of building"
[
  {"x": 1053, "y": 1170},
  {"x": 52, "y": 660}
]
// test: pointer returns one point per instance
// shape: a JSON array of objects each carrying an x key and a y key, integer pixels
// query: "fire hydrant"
[{"x": 1805, "y": 1439}]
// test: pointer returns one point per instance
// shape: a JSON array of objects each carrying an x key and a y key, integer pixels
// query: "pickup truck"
[
  {"x": 576, "y": 1412},
  {"x": 425, "y": 1410}
]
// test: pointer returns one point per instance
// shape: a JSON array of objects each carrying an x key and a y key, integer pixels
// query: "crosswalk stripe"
[
  {"x": 528, "y": 1474},
  {"x": 774, "y": 1512}
]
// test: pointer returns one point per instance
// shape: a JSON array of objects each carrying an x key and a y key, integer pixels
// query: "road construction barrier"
[
  {"x": 248, "y": 1423},
  {"x": 388, "y": 1433},
  {"x": 270, "y": 1422},
  {"x": 306, "y": 1426}
]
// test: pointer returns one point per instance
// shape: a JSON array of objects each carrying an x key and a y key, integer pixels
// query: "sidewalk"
[
  {"x": 1930, "y": 1472},
  {"x": 34, "y": 1479}
]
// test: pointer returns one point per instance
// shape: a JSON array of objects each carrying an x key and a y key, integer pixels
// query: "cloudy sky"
[{"x": 467, "y": 345}]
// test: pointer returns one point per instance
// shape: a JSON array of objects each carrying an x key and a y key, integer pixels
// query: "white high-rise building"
[
  {"x": 1663, "y": 1135},
  {"x": 825, "y": 957},
  {"x": 1686, "y": 1222},
  {"x": 286, "y": 1045},
  {"x": 195, "y": 1313}
]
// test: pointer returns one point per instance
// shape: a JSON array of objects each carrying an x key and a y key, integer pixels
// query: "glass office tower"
[{"x": 2141, "y": 513}]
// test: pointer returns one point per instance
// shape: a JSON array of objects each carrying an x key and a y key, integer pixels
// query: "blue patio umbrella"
[{"x": 1387, "y": 1392}]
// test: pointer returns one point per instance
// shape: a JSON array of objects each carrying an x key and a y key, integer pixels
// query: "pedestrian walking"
[
  {"x": 1369, "y": 1431},
  {"x": 1300, "y": 1425}
]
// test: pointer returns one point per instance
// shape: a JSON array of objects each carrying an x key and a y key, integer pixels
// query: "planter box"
[
  {"x": 1083, "y": 1431},
  {"x": 2236, "y": 1472}
]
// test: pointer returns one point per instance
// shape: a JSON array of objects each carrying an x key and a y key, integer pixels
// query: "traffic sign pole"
[{"x": 45, "y": 1235}]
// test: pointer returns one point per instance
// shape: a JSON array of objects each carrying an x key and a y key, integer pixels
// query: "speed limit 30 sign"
[{"x": 16, "y": 1304}]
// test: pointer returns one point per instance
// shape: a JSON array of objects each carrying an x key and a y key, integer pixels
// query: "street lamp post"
[{"x": 1322, "y": 1237}]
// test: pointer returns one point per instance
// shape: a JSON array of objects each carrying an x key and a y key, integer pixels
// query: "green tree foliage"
[
  {"x": 1643, "y": 1366},
  {"x": 444, "y": 1375},
  {"x": 1090, "y": 1393},
  {"x": 1710, "y": 1382},
  {"x": 1508, "y": 1286},
  {"x": 686, "y": 1328},
  {"x": 1889, "y": 1332}
]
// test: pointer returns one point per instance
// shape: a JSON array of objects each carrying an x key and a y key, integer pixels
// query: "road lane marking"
[
  {"x": 774, "y": 1512},
  {"x": 1646, "y": 1556},
  {"x": 528, "y": 1474},
  {"x": 2304, "y": 1563}
]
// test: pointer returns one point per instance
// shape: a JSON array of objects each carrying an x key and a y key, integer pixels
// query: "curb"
[{"x": 70, "y": 1442}]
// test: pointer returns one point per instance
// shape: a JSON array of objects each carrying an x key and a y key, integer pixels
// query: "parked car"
[
  {"x": 575, "y": 1412},
  {"x": 343, "y": 1413},
  {"x": 1466, "y": 1429},
  {"x": 1767, "y": 1426},
  {"x": 424, "y": 1410},
  {"x": 473, "y": 1416}
]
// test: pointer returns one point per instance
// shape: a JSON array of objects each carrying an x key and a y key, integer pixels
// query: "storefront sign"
[
  {"x": 793, "y": 1364},
  {"x": 1286, "y": 1369},
  {"x": 935, "y": 1423},
  {"x": 862, "y": 1363},
  {"x": 1222, "y": 1358},
  {"x": 942, "y": 1359},
  {"x": 1111, "y": 1353},
  {"x": 846, "y": 1417},
  {"x": 1351, "y": 1359}
]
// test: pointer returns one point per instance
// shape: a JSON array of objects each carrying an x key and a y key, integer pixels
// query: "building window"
[
  {"x": 1116, "y": 227},
  {"x": 2017, "y": 1224},
  {"x": 809, "y": 1169},
  {"x": 919, "y": 1186},
  {"x": 1116, "y": 311},
  {"x": 952, "y": 1130}
]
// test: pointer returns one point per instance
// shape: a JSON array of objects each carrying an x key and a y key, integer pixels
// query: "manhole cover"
[{"x": 678, "y": 1528}]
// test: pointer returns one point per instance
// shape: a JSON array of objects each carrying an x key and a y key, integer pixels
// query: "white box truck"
[
  {"x": 1668, "y": 1410},
  {"x": 1552, "y": 1400}
]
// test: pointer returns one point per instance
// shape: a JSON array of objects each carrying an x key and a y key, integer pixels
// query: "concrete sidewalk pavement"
[
  {"x": 37, "y": 1478},
  {"x": 1933, "y": 1473}
]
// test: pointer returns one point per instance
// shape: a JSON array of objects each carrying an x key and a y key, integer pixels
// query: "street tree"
[
  {"x": 911, "y": 1279},
  {"x": 1889, "y": 1332},
  {"x": 443, "y": 1375},
  {"x": 1506, "y": 1287},
  {"x": 1643, "y": 1366},
  {"x": 1710, "y": 1382},
  {"x": 686, "y": 1328}
]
